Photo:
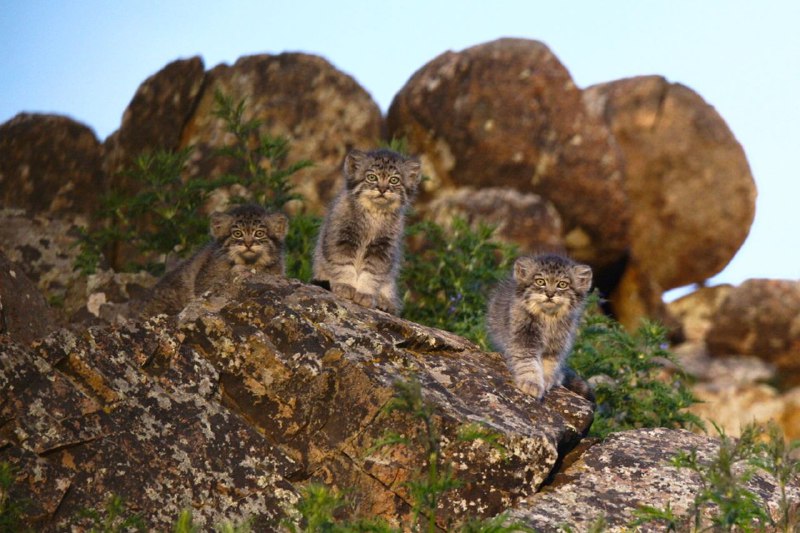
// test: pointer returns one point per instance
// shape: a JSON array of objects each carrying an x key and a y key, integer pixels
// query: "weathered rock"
[
  {"x": 692, "y": 196},
  {"x": 761, "y": 317},
  {"x": 696, "y": 310},
  {"x": 44, "y": 247},
  {"x": 507, "y": 114},
  {"x": 156, "y": 115},
  {"x": 49, "y": 164},
  {"x": 166, "y": 403},
  {"x": 24, "y": 313},
  {"x": 526, "y": 220},
  {"x": 322, "y": 111},
  {"x": 628, "y": 470},
  {"x": 135, "y": 414}
]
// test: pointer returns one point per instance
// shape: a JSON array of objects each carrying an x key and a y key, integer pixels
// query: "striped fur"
[
  {"x": 532, "y": 318},
  {"x": 359, "y": 244}
]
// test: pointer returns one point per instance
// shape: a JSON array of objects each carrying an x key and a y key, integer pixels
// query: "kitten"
[
  {"x": 245, "y": 238},
  {"x": 358, "y": 248},
  {"x": 532, "y": 318}
]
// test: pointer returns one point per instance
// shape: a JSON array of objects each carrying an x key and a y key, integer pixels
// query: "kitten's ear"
[
  {"x": 352, "y": 161},
  {"x": 412, "y": 171},
  {"x": 524, "y": 268},
  {"x": 220, "y": 224},
  {"x": 278, "y": 225},
  {"x": 582, "y": 274}
]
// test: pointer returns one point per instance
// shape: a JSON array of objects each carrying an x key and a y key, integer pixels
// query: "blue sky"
[{"x": 85, "y": 59}]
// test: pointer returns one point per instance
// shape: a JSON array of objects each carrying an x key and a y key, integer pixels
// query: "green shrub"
[
  {"x": 449, "y": 279},
  {"x": 630, "y": 384},
  {"x": 163, "y": 216},
  {"x": 724, "y": 503}
]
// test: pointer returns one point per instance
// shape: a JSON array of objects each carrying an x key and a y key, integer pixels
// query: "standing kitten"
[
  {"x": 533, "y": 316},
  {"x": 358, "y": 248},
  {"x": 245, "y": 238}
]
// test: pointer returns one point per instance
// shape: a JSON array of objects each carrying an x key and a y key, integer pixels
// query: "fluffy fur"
[
  {"x": 532, "y": 318},
  {"x": 245, "y": 238},
  {"x": 358, "y": 247}
]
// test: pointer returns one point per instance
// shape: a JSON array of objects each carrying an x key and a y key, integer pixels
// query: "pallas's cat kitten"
[
  {"x": 358, "y": 247},
  {"x": 533, "y": 316},
  {"x": 244, "y": 238}
]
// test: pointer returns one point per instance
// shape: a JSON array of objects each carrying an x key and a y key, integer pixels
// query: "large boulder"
[
  {"x": 322, "y": 111},
  {"x": 156, "y": 115},
  {"x": 49, "y": 164},
  {"x": 692, "y": 196},
  {"x": 614, "y": 479},
  {"x": 507, "y": 114},
  {"x": 524, "y": 219},
  {"x": 247, "y": 395},
  {"x": 761, "y": 317}
]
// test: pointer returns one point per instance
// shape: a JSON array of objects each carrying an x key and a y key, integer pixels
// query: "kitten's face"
[
  {"x": 250, "y": 235},
  {"x": 381, "y": 180},
  {"x": 551, "y": 285}
]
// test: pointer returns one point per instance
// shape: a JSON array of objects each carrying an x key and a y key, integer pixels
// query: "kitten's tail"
[{"x": 577, "y": 384}]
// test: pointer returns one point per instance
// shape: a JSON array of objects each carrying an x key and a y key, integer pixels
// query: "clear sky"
[{"x": 86, "y": 58}]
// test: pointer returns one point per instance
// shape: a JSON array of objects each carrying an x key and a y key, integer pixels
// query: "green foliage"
[
  {"x": 450, "y": 278},
  {"x": 11, "y": 510},
  {"x": 724, "y": 503},
  {"x": 113, "y": 518},
  {"x": 163, "y": 216},
  {"x": 300, "y": 242},
  {"x": 631, "y": 388},
  {"x": 263, "y": 157},
  {"x": 318, "y": 505}
]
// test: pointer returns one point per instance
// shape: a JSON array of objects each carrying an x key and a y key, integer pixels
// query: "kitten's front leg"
[
  {"x": 528, "y": 373},
  {"x": 365, "y": 300},
  {"x": 342, "y": 290}
]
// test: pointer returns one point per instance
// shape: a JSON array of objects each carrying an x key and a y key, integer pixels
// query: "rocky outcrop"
[
  {"x": 44, "y": 248},
  {"x": 527, "y": 220},
  {"x": 24, "y": 313},
  {"x": 49, "y": 164},
  {"x": 155, "y": 118},
  {"x": 629, "y": 470},
  {"x": 747, "y": 325},
  {"x": 507, "y": 114},
  {"x": 322, "y": 111},
  {"x": 246, "y": 396},
  {"x": 692, "y": 196},
  {"x": 761, "y": 317}
]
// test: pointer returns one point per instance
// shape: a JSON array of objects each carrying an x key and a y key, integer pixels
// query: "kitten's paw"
[
  {"x": 389, "y": 306},
  {"x": 531, "y": 387},
  {"x": 343, "y": 291},
  {"x": 365, "y": 300}
]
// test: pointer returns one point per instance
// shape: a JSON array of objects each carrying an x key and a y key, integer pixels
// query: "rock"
[
  {"x": 104, "y": 296},
  {"x": 49, "y": 165},
  {"x": 696, "y": 310},
  {"x": 24, "y": 313},
  {"x": 45, "y": 248},
  {"x": 246, "y": 396},
  {"x": 628, "y": 470},
  {"x": 507, "y": 114},
  {"x": 322, "y": 111},
  {"x": 761, "y": 317},
  {"x": 155, "y": 118},
  {"x": 676, "y": 149},
  {"x": 526, "y": 220}
]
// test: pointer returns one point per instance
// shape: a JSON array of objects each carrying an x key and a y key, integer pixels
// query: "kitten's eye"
[
  {"x": 237, "y": 234},
  {"x": 540, "y": 282},
  {"x": 259, "y": 234},
  {"x": 372, "y": 178},
  {"x": 394, "y": 180},
  {"x": 562, "y": 284}
]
